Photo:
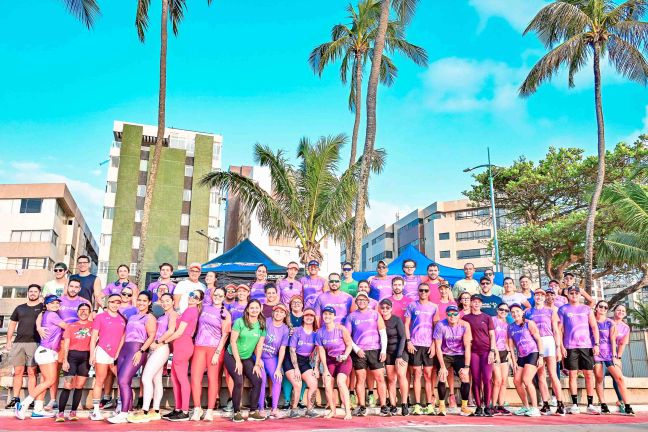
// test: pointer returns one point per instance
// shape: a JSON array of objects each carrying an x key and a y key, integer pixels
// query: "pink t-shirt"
[
  {"x": 442, "y": 309},
  {"x": 111, "y": 329},
  {"x": 399, "y": 306},
  {"x": 190, "y": 316}
]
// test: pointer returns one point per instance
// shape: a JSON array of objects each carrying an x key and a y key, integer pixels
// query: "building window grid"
[
  {"x": 31, "y": 205},
  {"x": 14, "y": 292},
  {"x": 34, "y": 236},
  {"x": 472, "y": 253},
  {"x": 472, "y": 213},
  {"x": 26, "y": 263},
  {"x": 143, "y": 165},
  {"x": 382, "y": 255},
  {"x": 381, "y": 237},
  {"x": 444, "y": 236},
  {"x": 473, "y": 235},
  {"x": 109, "y": 213},
  {"x": 444, "y": 254}
]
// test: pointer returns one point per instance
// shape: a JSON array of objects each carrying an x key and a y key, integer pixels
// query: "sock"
[
  {"x": 63, "y": 399},
  {"x": 464, "y": 404},
  {"x": 95, "y": 405},
  {"x": 28, "y": 400},
  {"x": 157, "y": 411},
  {"x": 105, "y": 397},
  {"x": 574, "y": 399},
  {"x": 145, "y": 411},
  {"x": 76, "y": 399},
  {"x": 441, "y": 404},
  {"x": 38, "y": 405},
  {"x": 352, "y": 393},
  {"x": 590, "y": 400}
]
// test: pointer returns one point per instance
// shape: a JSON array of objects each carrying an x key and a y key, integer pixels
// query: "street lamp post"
[
  {"x": 492, "y": 202},
  {"x": 212, "y": 239}
]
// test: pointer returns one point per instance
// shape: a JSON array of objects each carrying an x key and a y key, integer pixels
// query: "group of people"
[{"x": 382, "y": 336}]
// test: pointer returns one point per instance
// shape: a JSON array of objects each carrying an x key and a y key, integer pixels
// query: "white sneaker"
[
  {"x": 197, "y": 414},
  {"x": 18, "y": 412},
  {"x": 574, "y": 409},
  {"x": 96, "y": 416},
  {"x": 553, "y": 402},
  {"x": 593, "y": 410},
  {"x": 532, "y": 412},
  {"x": 42, "y": 414},
  {"x": 119, "y": 418}
]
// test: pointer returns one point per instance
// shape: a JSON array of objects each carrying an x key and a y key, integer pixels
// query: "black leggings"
[{"x": 255, "y": 381}]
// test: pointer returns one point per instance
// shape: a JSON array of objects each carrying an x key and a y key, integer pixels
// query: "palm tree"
[
  {"x": 628, "y": 245},
  {"x": 173, "y": 10},
  {"x": 354, "y": 45},
  {"x": 575, "y": 31},
  {"x": 84, "y": 10},
  {"x": 308, "y": 202},
  {"x": 404, "y": 10},
  {"x": 639, "y": 316}
]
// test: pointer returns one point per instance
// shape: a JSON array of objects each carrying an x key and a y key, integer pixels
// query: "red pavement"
[{"x": 288, "y": 425}]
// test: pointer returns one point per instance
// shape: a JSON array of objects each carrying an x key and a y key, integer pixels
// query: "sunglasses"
[
  {"x": 293, "y": 268},
  {"x": 194, "y": 294},
  {"x": 83, "y": 262},
  {"x": 604, "y": 307},
  {"x": 424, "y": 290},
  {"x": 335, "y": 281},
  {"x": 408, "y": 267},
  {"x": 57, "y": 270},
  {"x": 453, "y": 314},
  {"x": 385, "y": 307},
  {"x": 382, "y": 267},
  {"x": 502, "y": 310},
  {"x": 484, "y": 284},
  {"x": 347, "y": 269},
  {"x": 488, "y": 274},
  {"x": 230, "y": 291},
  {"x": 127, "y": 294}
]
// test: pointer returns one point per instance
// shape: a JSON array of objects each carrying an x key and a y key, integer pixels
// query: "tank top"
[
  {"x": 136, "y": 328},
  {"x": 501, "y": 330},
  {"x": 87, "y": 286},
  {"x": 210, "y": 327},
  {"x": 162, "y": 326}
]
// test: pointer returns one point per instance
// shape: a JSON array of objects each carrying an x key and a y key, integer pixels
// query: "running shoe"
[
  {"x": 170, "y": 414},
  {"x": 209, "y": 415},
  {"x": 51, "y": 405},
  {"x": 393, "y": 410},
  {"x": 442, "y": 412},
  {"x": 138, "y": 417},
  {"x": 12, "y": 403},
  {"x": 294, "y": 414},
  {"x": 154, "y": 416},
  {"x": 479, "y": 412},
  {"x": 605, "y": 409},
  {"x": 180, "y": 417},
  {"x": 301, "y": 406},
  {"x": 119, "y": 418},
  {"x": 621, "y": 406},
  {"x": 553, "y": 402},
  {"x": 18, "y": 412},
  {"x": 546, "y": 409},
  {"x": 593, "y": 410},
  {"x": 405, "y": 410},
  {"x": 229, "y": 407},
  {"x": 521, "y": 411},
  {"x": 489, "y": 412},
  {"x": 429, "y": 410},
  {"x": 311, "y": 413},
  {"x": 42, "y": 414},
  {"x": 197, "y": 414},
  {"x": 384, "y": 411},
  {"x": 505, "y": 412},
  {"x": 360, "y": 411},
  {"x": 465, "y": 412},
  {"x": 60, "y": 417},
  {"x": 533, "y": 412},
  {"x": 238, "y": 417},
  {"x": 629, "y": 411},
  {"x": 72, "y": 416},
  {"x": 574, "y": 409},
  {"x": 107, "y": 404},
  {"x": 417, "y": 410},
  {"x": 96, "y": 416},
  {"x": 256, "y": 416},
  {"x": 560, "y": 410}
]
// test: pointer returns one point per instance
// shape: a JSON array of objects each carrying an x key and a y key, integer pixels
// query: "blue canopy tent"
[{"x": 450, "y": 274}]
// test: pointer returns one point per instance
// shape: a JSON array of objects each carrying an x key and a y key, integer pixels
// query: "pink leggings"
[
  {"x": 182, "y": 352},
  {"x": 201, "y": 360},
  {"x": 482, "y": 376}
]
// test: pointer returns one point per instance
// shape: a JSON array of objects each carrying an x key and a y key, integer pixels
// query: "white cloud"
[
  {"x": 518, "y": 15},
  {"x": 384, "y": 213},
  {"x": 631, "y": 138},
  {"x": 88, "y": 197}
]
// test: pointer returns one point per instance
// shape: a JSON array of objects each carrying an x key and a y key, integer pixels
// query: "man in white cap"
[{"x": 182, "y": 290}]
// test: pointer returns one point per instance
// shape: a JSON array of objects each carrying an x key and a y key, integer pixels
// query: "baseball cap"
[
  {"x": 550, "y": 291},
  {"x": 309, "y": 311},
  {"x": 444, "y": 284},
  {"x": 573, "y": 288},
  {"x": 313, "y": 263},
  {"x": 476, "y": 297},
  {"x": 385, "y": 301},
  {"x": 195, "y": 265},
  {"x": 452, "y": 308},
  {"x": 539, "y": 291},
  {"x": 280, "y": 306},
  {"x": 361, "y": 294},
  {"x": 382, "y": 262},
  {"x": 51, "y": 299},
  {"x": 329, "y": 309},
  {"x": 245, "y": 287}
]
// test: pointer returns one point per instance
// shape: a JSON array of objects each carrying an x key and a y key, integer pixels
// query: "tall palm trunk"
[
  {"x": 159, "y": 141},
  {"x": 356, "y": 127},
  {"x": 370, "y": 136},
  {"x": 600, "y": 175}
]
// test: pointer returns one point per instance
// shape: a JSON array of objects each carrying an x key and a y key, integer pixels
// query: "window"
[
  {"x": 139, "y": 214},
  {"x": 143, "y": 165},
  {"x": 382, "y": 255},
  {"x": 444, "y": 236},
  {"x": 188, "y": 171},
  {"x": 109, "y": 213},
  {"x": 472, "y": 213},
  {"x": 133, "y": 269},
  {"x": 472, "y": 253},
  {"x": 184, "y": 220},
  {"x": 35, "y": 236},
  {"x": 111, "y": 187},
  {"x": 103, "y": 267},
  {"x": 184, "y": 246},
  {"x": 444, "y": 254},
  {"x": 473, "y": 235},
  {"x": 141, "y": 190},
  {"x": 410, "y": 225},
  {"x": 36, "y": 263},
  {"x": 381, "y": 237},
  {"x": 415, "y": 243},
  {"x": 136, "y": 242},
  {"x": 214, "y": 196},
  {"x": 31, "y": 205},
  {"x": 114, "y": 161},
  {"x": 214, "y": 222},
  {"x": 25, "y": 263},
  {"x": 105, "y": 239},
  {"x": 14, "y": 292},
  {"x": 186, "y": 195}
]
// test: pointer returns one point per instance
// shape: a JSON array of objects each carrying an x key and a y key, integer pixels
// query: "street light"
[
  {"x": 492, "y": 200},
  {"x": 214, "y": 239}
]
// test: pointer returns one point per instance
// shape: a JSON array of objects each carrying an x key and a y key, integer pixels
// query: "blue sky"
[{"x": 239, "y": 68}]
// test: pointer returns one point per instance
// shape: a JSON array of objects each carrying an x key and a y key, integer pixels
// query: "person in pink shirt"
[
  {"x": 445, "y": 299},
  {"x": 434, "y": 282},
  {"x": 398, "y": 299}
]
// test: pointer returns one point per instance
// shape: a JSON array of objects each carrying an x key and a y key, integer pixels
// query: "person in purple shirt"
[
  {"x": 68, "y": 310},
  {"x": 298, "y": 366},
  {"x": 381, "y": 284},
  {"x": 369, "y": 339},
  {"x": 273, "y": 354},
  {"x": 166, "y": 270},
  {"x": 257, "y": 287},
  {"x": 335, "y": 298},
  {"x": 363, "y": 286},
  {"x": 452, "y": 338},
  {"x": 334, "y": 345},
  {"x": 51, "y": 328},
  {"x": 579, "y": 344},
  {"x": 289, "y": 286},
  {"x": 622, "y": 339},
  {"x": 122, "y": 282},
  {"x": 559, "y": 300},
  {"x": 312, "y": 285},
  {"x": 237, "y": 308},
  {"x": 501, "y": 370},
  {"x": 525, "y": 345},
  {"x": 608, "y": 358},
  {"x": 410, "y": 280},
  {"x": 211, "y": 282},
  {"x": 420, "y": 318}
]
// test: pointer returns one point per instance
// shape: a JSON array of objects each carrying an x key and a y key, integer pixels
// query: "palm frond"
[
  {"x": 413, "y": 52},
  {"x": 633, "y": 32},
  {"x": 388, "y": 71},
  {"x": 353, "y": 85},
  {"x": 176, "y": 13},
  {"x": 630, "y": 202},
  {"x": 282, "y": 177},
  {"x": 624, "y": 247},
  {"x": 627, "y": 11},
  {"x": 84, "y": 10},
  {"x": 404, "y": 9},
  {"x": 142, "y": 18},
  {"x": 558, "y": 21},
  {"x": 627, "y": 60}
]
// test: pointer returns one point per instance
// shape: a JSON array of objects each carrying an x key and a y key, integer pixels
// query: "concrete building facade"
[
  {"x": 41, "y": 225},
  {"x": 240, "y": 225},
  {"x": 186, "y": 218}
]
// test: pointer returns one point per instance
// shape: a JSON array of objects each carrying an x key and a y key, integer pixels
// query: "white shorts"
[
  {"x": 548, "y": 346},
  {"x": 102, "y": 357},
  {"x": 45, "y": 356}
]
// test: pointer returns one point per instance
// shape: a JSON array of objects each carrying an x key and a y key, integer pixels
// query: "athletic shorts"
[
  {"x": 391, "y": 358},
  {"x": 605, "y": 363},
  {"x": 335, "y": 367},
  {"x": 102, "y": 357},
  {"x": 22, "y": 354},
  {"x": 79, "y": 363},
  {"x": 303, "y": 362},
  {"x": 420, "y": 357},
  {"x": 45, "y": 356},
  {"x": 370, "y": 361},
  {"x": 529, "y": 359},
  {"x": 579, "y": 359},
  {"x": 548, "y": 346},
  {"x": 456, "y": 362},
  {"x": 503, "y": 355}
]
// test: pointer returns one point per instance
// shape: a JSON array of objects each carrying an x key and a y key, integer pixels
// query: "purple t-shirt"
[
  {"x": 340, "y": 301},
  {"x": 524, "y": 342},
  {"x": 312, "y": 288},
  {"x": 542, "y": 319},
  {"x": 501, "y": 333},
  {"x": 210, "y": 326},
  {"x": 363, "y": 327},
  {"x": 127, "y": 311},
  {"x": 110, "y": 329},
  {"x": 117, "y": 287},
  {"x": 560, "y": 301},
  {"x": 451, "y": 337},
  {"x": 136, "y": 328},
  {"x": 480, "y": 327},
  {"x": 605, "y": 343},
  {"x": 162, "y": 326},
  {"x": 303, "y": 343},
  {"x": 331, "y": 340},
  {"x": 275, "y": 338},
  {"x": 622, "y": 330},
  {"x": 153, "y": 288},
  {"x": 410, "y": 289},
  {"x": 50, "y": 322},
  {"x": 236, "y": 310},
  {"x": 288, "y": 290},
  {"x": 69, "y": 307},
  {"x": 575, "y": 320},
  {"x": 380, "y": 288},
  {"x": 422, "y": 321},
  {"x": 257, "y": 292}
]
